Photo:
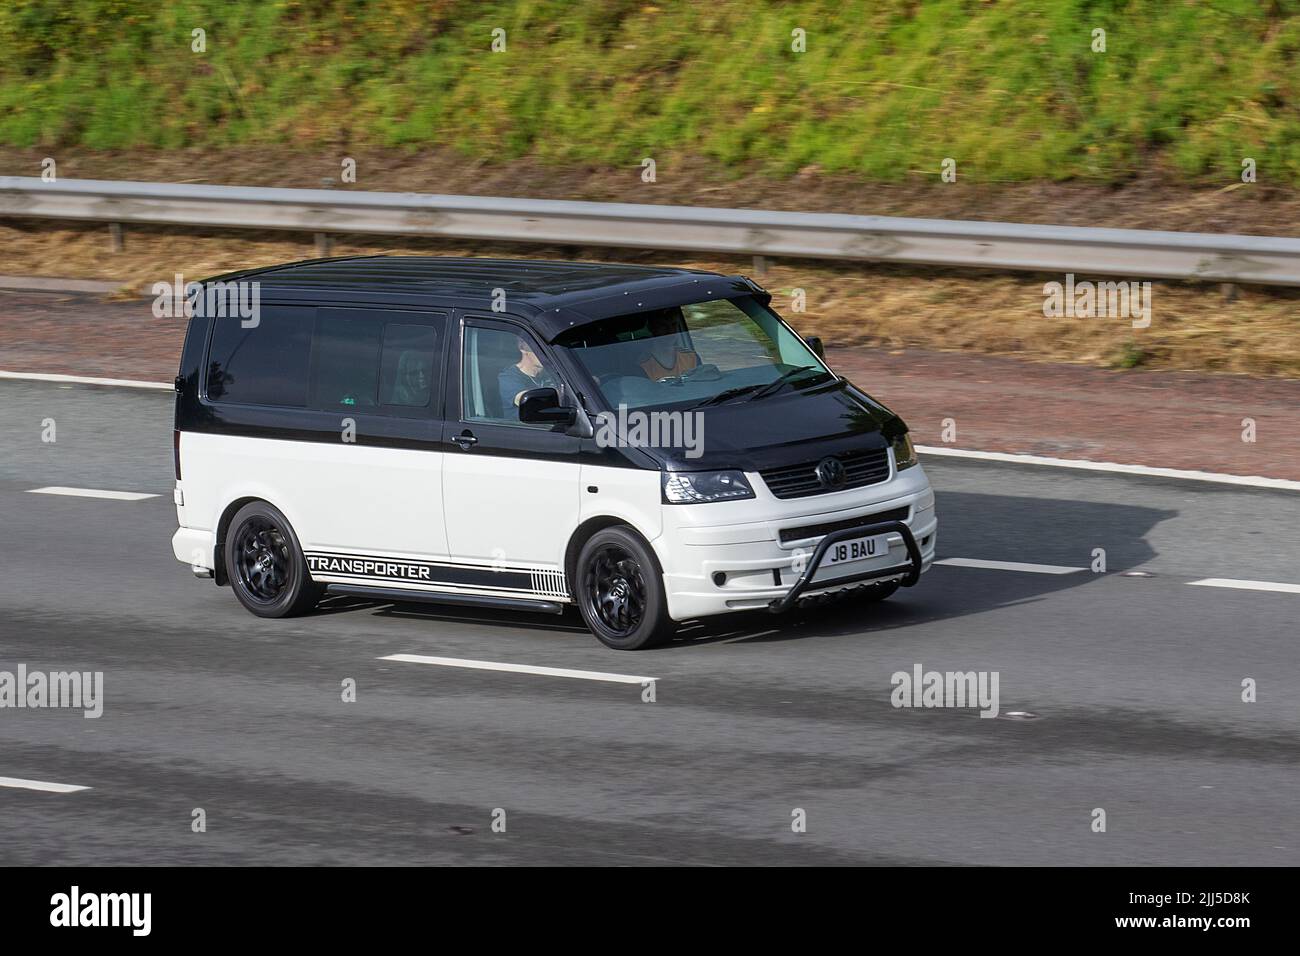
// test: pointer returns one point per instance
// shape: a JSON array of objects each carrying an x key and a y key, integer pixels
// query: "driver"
[
  {"x": 527, "y": 373},
  {"x": 665, "y": 357}
]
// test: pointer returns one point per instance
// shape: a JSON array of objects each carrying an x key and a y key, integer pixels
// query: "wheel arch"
[
  {"x": 219, "y": 572},
  {"x": 583, "y": 533}
]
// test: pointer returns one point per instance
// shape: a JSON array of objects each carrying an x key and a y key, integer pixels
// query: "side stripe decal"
[{"x": 399, "y": 571}]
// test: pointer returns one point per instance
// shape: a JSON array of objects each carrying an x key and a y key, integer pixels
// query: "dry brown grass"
[{"x": 1193, "y": 326}]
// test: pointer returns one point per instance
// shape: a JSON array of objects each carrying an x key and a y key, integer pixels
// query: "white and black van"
[{"x": 652, "y": 445}]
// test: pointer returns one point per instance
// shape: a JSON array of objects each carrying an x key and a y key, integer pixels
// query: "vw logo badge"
[{"x": 830, "y": 472}]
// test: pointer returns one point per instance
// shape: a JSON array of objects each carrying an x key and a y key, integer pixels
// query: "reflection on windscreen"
[{"x": 689, "y": 353}]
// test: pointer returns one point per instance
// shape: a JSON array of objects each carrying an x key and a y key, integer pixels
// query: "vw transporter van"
[{"x": 650, "y": 445}]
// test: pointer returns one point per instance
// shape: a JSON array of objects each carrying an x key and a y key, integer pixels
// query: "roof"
[{"x": 556, "y": 294}]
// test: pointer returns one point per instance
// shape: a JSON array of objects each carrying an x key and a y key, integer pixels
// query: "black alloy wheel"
[
  {"x": 620, "y": 591},
  {"x": 262, "y": 559},
  {"x": 265, "y": 564},
  {"x": 617, "y": 590}
]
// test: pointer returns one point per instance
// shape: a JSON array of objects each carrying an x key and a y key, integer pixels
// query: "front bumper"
[
  {"x": 912, "y": 572},
  {"x": 746, "y": 555}
]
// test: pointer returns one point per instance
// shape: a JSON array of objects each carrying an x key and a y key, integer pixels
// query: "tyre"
[
  {"x": 620, "y": 591},
  {"x": 265, "y": 564}
]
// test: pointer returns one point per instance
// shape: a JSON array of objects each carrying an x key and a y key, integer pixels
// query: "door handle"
[{"x": 465, "y": 440}]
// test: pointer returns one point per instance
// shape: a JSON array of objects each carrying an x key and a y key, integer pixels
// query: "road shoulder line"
[{"x": 1148, "y": 471}]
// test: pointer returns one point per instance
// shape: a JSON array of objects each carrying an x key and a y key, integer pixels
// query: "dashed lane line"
[
  {"x": 92, "y": 493},
  {"x": 1007, "y": 566},
  {"x": 1242, "y": 585},
  {"x": 17, "y": 783},
  {"x": 519, "y": 668},
  {"x": 1280, "y": 587}
]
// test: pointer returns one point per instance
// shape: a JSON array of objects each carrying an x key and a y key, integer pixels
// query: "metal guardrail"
[{"x": 937, "y": 242}]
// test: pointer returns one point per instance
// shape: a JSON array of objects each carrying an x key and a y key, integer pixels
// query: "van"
[{"x": 652, "y": 445}]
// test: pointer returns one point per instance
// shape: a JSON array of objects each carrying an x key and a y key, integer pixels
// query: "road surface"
[{"x": 1136, "y": 681}]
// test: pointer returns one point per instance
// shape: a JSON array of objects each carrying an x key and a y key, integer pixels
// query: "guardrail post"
[
  {"x": 1229, "y": 290},
  {"x": 115, "y": 236},
  {"x": 760, "y": 265},
  {"x": 323, "y": 243}
]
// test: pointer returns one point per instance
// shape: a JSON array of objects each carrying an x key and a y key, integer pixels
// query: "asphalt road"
[{"x": 1136, "y": 682}]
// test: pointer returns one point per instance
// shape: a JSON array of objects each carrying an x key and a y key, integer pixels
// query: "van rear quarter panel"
[{"x": 335, "y": 496}]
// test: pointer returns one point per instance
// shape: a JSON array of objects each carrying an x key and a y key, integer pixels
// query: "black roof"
[{"x": 555, "y": 295}]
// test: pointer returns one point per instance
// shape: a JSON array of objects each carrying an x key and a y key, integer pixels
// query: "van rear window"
[
  {"x": 345, "y": 360},
  {"x": 267, "y": 364}
]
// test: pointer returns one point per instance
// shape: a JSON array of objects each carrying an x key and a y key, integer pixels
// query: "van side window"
[
  {"x": 406, "y": 370},
  {"x": 378, "y": 361},
  {"x": 497, "y": 367},
  {"x": 347, "y": 360},
  {"x": 266, "y": 364}
]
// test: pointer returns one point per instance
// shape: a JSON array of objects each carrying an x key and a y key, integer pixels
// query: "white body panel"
[
  {"x": 520, "y": 511},
  {"x": 630, "y": 494},
  {"x": 344, "y": 497}
]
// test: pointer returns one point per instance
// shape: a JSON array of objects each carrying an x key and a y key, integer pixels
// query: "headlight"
[
  {"x": 904, "y": 453},
  {"x": 685, "y": 487}
]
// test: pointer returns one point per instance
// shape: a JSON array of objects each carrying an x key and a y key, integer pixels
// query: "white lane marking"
[
  {"x": 518, "y": 668},
  {"x": 1253, "y": 481},
  {"x": 1008, "y": 566},
  {"x": 1247, "y": 585},
  {"x": 84, "y": 380},
  {"x": 46, "y": 284},
  {"x": 42, "y": 785},
  {"x": 91, "y": 493}
]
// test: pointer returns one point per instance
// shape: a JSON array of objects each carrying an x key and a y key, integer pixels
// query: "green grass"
[{"x": 885, "y": 91}]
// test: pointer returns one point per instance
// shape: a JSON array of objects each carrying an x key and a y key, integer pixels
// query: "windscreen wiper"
[
  {"x": 783, "y": 379},
  {"x": 726, "y": 395}
]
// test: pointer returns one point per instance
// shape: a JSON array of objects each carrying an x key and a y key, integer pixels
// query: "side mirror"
[
  {"x": 541, "y": 406},
  {"x": 815, "y": 343}
]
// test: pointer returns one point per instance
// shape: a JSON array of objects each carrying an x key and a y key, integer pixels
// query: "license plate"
[{"x": 858, "y": 549}]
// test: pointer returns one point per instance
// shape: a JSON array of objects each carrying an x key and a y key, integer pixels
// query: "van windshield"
[{"x": 703, "y": 353}]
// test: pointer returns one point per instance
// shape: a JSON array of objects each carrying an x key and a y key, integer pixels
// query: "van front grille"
[
  {"x": 817, "y": 530},
  {"x": 798, "y": 481}
]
